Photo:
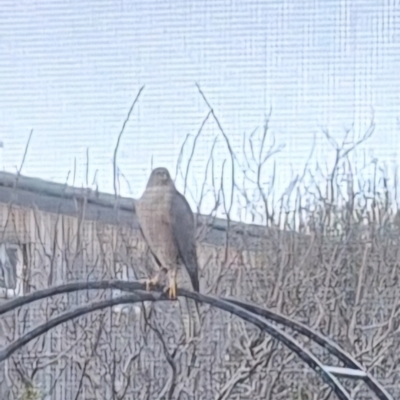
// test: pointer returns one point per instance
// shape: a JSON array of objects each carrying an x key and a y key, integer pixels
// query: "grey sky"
[{"x": 70, "y": 70}]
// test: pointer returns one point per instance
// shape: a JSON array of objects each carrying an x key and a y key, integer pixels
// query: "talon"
[
  {"x": 172, "y": 290},
  {"x": 151, "y": 283}
]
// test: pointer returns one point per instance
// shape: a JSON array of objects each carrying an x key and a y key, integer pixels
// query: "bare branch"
[{"x": 119, "y": 138}]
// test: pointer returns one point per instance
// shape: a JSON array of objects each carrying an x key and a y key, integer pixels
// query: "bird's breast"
[
  {"x": 156, "y": 204},
  {"x": 154, "y": 212}
]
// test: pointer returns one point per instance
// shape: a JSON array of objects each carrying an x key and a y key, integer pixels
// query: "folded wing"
[{"x": 183, "y": 228}]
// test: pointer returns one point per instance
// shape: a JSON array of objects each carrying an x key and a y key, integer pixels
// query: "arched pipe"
[
  {"x": 248, "y": 312},
  {"x": 332, "y": 347}
]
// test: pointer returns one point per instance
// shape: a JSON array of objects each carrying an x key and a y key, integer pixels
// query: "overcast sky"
[{"x": 70, "y": 70}]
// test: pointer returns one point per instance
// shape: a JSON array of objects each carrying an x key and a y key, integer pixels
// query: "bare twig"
[{"x": 119, "y": 138}]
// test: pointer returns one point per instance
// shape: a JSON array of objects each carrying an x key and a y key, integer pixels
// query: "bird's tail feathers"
[{"x": 190, "y": 317}]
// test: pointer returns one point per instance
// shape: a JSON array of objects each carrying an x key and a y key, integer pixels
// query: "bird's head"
[{"x": 159, "y": 177}]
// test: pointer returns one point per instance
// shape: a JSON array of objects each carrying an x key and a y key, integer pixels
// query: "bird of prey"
[{"x": 168, "y": 226}]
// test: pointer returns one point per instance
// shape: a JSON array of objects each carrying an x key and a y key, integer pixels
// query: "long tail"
[
  {"x": 189, "y": 308},
  {"x": 190, "y": 317}
]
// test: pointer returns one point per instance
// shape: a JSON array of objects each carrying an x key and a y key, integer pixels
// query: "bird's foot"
[
  {"x": 151, "y": 283},
  {"x": 171, "y": 290}
]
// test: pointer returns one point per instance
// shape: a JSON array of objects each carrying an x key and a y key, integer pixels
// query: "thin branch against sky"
[{"x": 69, "y": 74}]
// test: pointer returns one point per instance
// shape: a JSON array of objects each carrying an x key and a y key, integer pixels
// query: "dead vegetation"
[{"x": 327, "y": 255}]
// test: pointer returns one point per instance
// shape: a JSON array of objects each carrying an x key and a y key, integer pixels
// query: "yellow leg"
[{"x": 172, "y": 285}]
